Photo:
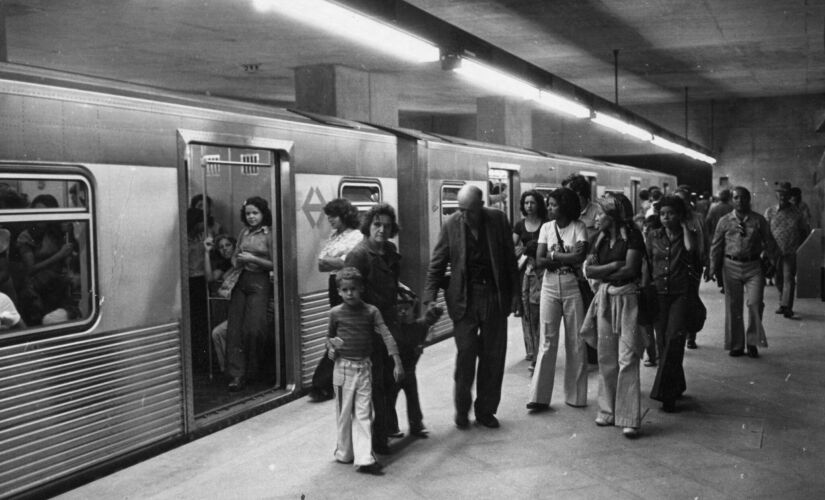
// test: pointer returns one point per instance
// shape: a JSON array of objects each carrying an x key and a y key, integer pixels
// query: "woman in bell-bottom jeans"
[{"x": 561, "y": 251}]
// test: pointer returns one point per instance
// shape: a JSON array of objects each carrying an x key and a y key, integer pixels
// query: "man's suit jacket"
[{"x": 451, "y": 249}]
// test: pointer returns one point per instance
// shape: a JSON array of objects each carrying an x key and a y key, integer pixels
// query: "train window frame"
[
  {"x": 71, "y": 176},
  {"x": 361, "y": 206},
  {"x": 449, "y": 204}
]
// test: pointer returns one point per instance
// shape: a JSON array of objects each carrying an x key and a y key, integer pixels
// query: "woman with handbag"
[
  {"x": 526, "y": 241},
  {"x": 562, "y": 247},
  {"x": 343, "y": 219},
  {"x": 250, "y": 297},
  {"x": 616, "y": 261},
  {"x": 673, "y": 252}
]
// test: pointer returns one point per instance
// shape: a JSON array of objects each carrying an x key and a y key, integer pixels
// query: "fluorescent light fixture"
[
  {"x": 495, "y": 80},
  {"x": 563, "y": 104},
  {"x": 621, "y": 126},
  {"x": 678, "y": 148},
  {"x": 355, "y": 26}
]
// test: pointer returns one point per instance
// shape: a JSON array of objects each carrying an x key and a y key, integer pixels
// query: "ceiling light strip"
[
  {"x": 495, "y": 80},
  {"x": 350, "y": 24}
]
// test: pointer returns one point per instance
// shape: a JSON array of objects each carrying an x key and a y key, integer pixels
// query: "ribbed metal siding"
[
  {"x": 314, "y": 322},
  {"x": 68, "y": 403}
]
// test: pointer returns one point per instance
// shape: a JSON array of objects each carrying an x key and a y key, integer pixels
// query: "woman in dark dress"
[
  {"x": 378, "y": 261},
  {"x": 526, "y": 240},
  {"x": 674, "y": 254}
]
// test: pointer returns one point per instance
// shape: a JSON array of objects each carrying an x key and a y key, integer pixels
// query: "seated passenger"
[
  {"x": 45, "y": 250},
  {"x": 9, "y": 317},
  {"x": 217, "y": 264}
]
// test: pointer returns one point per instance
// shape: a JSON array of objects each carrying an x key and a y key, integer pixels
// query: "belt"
[
  {"x": 741, "y": 259},
  {"x": 561, "y": 270}
]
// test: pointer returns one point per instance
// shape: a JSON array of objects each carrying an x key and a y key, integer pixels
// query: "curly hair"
[
  {"x": 344, "y": 210},
  {"x": 541, "y": 206},
  {"x": 579, "y": 184},
  {"x": 569, "y": 205},
  {"x": 375, "y": 211},
  {"x": 261, "y": 205},
  {"x": 676, "y": 203}
]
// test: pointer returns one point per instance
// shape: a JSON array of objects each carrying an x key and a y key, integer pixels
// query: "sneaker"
[
  {"x": 630, "y": 432},
  {"x": 375, "y": 469},
  {"x": 602, "y": 421}
]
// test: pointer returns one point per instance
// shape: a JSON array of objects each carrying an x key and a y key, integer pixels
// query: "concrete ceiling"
[{"x": 718, "y": 49}]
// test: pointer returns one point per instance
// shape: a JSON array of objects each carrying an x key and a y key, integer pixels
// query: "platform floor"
[{"x": 748, "y": 428}]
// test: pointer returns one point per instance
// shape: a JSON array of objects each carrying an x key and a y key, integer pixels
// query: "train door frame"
[
  {"x": 635, "y": 183},
  {"x": 282, "y": 199},
  {"x": 513, "y": 172}
]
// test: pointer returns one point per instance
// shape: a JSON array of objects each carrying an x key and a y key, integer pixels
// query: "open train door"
[{"x": 221, "y": 173}]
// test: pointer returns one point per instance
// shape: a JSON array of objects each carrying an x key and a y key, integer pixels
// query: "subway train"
[{"x": 100, "y": 174}]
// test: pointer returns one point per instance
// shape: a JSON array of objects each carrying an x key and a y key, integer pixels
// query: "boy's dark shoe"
[
  {"x": 419, "y": 431},
  {"x": 375, "y": 469},
  {"x": 462, "y": 421}
]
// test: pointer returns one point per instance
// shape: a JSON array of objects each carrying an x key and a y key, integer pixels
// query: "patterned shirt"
[
  {"x": 339, "y": 244},
  {"x": 743, "y": 240},
  {"x": 355, "y": 325},
  {"x": 788, "y": 227}
]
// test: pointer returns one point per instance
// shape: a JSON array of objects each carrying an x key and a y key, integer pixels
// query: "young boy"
[
  {"x": 351, "y": 328},
  {"x": 410, "y": 339}
]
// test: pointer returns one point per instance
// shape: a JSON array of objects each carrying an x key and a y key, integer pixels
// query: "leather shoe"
[
  {"x": 462, "y": 421},
  {"x": 735, "y": 353},
  {"x": 781, "y": 310},
  {"x": 382, "y": 449},
  {"x": 691, "y": 344},
  {"x": 669, "y": 406},
  {"x": 753, "y": 352},
  {"x": 419, "y": 431},
  {"x": 374, "y": 469},
  {"x": 533, "y": 406},
  {"x": 788, "y": 313},
  {"x": 488, "y": 421}
]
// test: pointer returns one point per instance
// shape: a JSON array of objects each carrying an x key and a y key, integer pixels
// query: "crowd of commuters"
[{"x": 41, "y": 260}]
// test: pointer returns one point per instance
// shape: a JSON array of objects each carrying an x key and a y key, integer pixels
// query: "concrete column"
[
  {"x": 349, "y": 93},
  {"x": 504, "y": 120}
]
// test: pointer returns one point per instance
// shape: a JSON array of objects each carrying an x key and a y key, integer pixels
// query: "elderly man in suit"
[{"x": 477, "y": 244}]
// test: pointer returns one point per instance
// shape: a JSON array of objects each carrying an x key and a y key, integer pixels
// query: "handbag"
[
  {"x": 648, "y": 295},
  {"x": 584, "y": 286},
  {"x": 230, "y": 278}
]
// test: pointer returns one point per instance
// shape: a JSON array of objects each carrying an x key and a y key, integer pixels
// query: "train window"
[
  {"x": 449, "y": 200},
  {"x": 46, "y": 252},
  {"x": 362, "y": 194}
]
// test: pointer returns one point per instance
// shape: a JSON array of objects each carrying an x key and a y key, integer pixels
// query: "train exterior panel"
[{"x": 115, "y": 372}]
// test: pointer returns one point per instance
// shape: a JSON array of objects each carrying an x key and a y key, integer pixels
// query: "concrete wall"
[{"x": 758, "y": 142}]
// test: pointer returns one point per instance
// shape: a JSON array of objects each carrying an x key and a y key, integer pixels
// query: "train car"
[
  {"x": 108, "y": 370},
  {"x": 103, "y": 175}
]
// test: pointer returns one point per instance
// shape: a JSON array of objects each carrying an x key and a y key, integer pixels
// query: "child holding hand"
[{"x": 351, "y": 327}]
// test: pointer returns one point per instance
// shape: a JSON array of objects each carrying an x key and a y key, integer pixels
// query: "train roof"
[{"x": 72, "y": 81}]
